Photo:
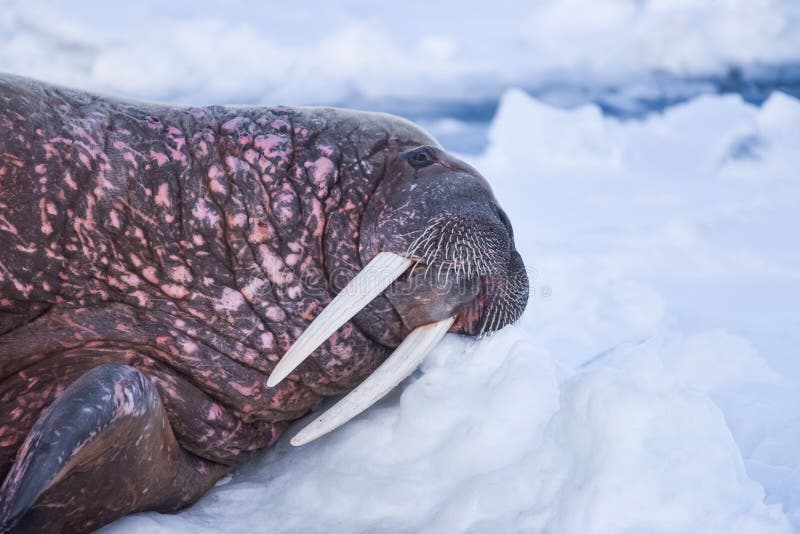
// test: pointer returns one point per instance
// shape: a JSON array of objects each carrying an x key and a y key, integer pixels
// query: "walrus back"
[{"x": 40, "y": 169}]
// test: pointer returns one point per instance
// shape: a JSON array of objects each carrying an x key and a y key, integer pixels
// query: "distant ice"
[
  {"x": 653, "y": 384},
  {"x": 415, "y": 58}
]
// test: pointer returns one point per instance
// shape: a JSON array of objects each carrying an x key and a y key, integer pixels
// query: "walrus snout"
[
  {"x": 501, "y": 301},
  {"x": 440, "y": 212},
  {"x": 465, "y": 267}
]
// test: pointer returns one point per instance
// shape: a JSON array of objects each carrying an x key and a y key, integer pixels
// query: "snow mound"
[
  {"x": 653, "y": 384},
  {"x": 487, "y": 440}
]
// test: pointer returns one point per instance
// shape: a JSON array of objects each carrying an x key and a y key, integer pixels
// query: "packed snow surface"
[{"x": 652, "y": 386}]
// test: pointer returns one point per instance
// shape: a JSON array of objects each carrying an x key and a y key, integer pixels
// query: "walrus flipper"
[{"x": 102, "y": 450}]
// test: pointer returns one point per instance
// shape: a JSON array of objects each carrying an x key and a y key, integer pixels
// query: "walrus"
[{"x": 177, "y": 284}]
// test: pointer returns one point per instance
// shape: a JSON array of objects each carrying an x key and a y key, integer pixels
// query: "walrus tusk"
[
  {"x": 376, "y": 276},
  {"x": 401, "y": 363}
]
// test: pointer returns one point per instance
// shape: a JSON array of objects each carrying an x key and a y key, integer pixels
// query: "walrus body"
[{"x": 155, "y": 264}]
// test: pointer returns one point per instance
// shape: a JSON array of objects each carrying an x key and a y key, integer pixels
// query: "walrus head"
[
  {"x": 441, "y": 214},
  {"x": 435, "y": 243}
]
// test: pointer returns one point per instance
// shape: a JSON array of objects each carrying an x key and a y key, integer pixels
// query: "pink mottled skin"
[
  {"x": 178, "y": 242},
  {"x": 135, "y": 227},
  {"x": 190, "y": 247}
]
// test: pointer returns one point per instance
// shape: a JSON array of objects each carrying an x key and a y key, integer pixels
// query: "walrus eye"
[{"x": 420, "y": 157}]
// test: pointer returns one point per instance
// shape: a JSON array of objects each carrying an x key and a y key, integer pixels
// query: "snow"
[
  {"x": 487, "y": 440},
  {"x": 653, "y": 384}
]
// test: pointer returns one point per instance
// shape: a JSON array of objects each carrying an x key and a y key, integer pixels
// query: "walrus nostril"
[{"x": 504, "y": 219}]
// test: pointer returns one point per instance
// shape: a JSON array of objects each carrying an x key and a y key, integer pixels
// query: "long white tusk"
[
  {"x": 370, "y": 282},
  {"x": 394, "y": 370}
]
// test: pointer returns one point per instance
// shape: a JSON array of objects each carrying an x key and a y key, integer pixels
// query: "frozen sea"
[{"x": 648, "y": 156}]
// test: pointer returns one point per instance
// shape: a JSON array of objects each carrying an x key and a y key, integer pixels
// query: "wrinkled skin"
[{"x": 156, "y": 262}]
